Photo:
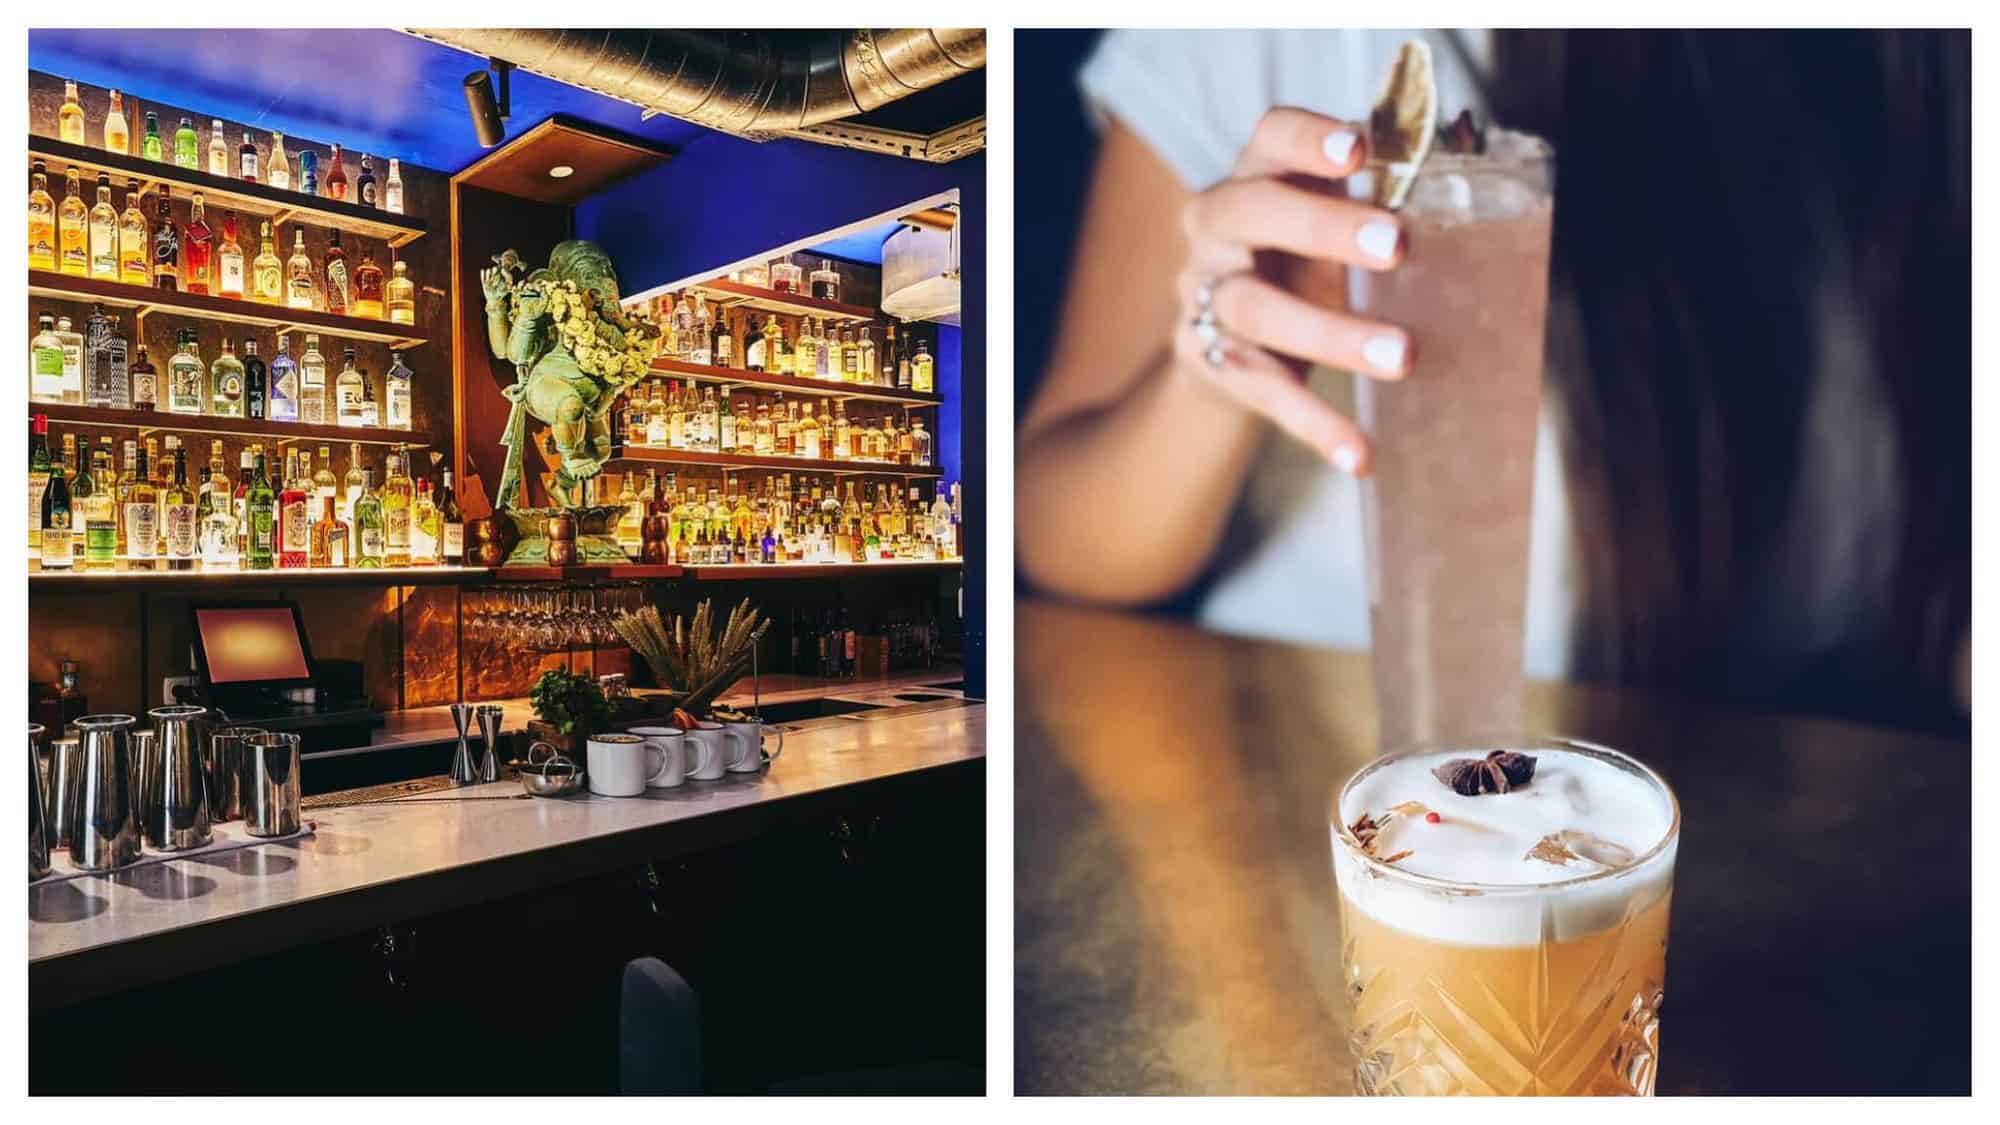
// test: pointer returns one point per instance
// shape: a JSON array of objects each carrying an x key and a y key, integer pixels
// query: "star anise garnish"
[
  {"x": 1462, "y": 135},
  {"x": 1497, "y": 772}
]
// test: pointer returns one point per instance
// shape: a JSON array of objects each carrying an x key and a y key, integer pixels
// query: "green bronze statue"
[{"x": 574, "y": 350}]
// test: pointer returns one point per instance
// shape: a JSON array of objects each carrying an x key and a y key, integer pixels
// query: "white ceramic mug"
[
  {"x": 746, "y": 745},
  {"x": 666, "y": 755},
  {"x": 708, "y": 750},
  {"x": 618, "y": 765}
]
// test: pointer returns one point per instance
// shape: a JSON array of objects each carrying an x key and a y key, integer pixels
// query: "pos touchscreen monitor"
[{"x": 251, "y": 644}]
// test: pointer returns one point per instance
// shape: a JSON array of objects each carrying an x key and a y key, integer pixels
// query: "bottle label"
[
  {"x": 142, "y": 529},
  {"x": 454, "y": 542},
  {"x": 423, "y": 545},
  {"x": 180, "y": 531},
  {"x": 336, "y": 287},
  {"x": 260, "y": 531},
  {"x": 38, "y": 486},
  {"x": 371, "y": 543},
  {"x": 56, "y": 547},
  {"x": 48, "y": 373},
  {"x": 232, "y": 274},
  {"x": 145, "y": 389},
  {"x": 399, "y": 406},
  {"x": 292, "y": 533},
  {"x": 100, "y": 541},
  {"x": 396, "y": 528}
]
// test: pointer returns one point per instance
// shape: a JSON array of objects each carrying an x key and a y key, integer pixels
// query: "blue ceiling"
[
  {"x": 860, "y": 246},
  {"x": 369, "y": 90}
]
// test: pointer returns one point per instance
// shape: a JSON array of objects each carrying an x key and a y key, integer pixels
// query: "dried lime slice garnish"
[{"x": 1402, "y": 124}]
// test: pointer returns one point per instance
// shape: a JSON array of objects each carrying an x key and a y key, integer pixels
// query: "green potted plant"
[{"x": 569, "y": 708}]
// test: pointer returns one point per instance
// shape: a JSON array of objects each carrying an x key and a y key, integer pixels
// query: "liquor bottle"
[
  {"x": 347, "y": 392},
  {"x": 121, "y": 487},
  {"x": 397, "y": 391},
  {"x": 308, "y": 172},
  {"x": 294, "y": 546},
  {"x": 324, "y": 487},
  {"x": 41, "y": 221},
  {"x": 338, "y": 282},
  {"x": 166, "y": 244},
  {"x": 149, "y": 145},
  {"x": 711, "y": 421},
  {"x": 754, "y": 347},
  {"x": 226, "y": 383},
  {"x": 99, "y": 504},
  {"x": 278, "y": 171},
  {"x": 72, "y": 351},
  {"x": 400, "y": 295},
  {"x": 73, "y": 227},
  {"x": 370, "y": 545},
  {"x": 826, "y": 282},
  {"x": 216, "y": 515},
  {"x": 635, "y": 416},
  {"x": 785, "y": 276},
  {"x": 763, "y": 439},
  {"x": 106, "y": 381},
  {"x": 283, "y": 404},
  {"x": 371, "y": 407},
  {"x": 806, "y": 439},
  {"x": 117, "y": 131},
  {"x": 451, "y": 525},
  {"x": 58, "y": 512},
  {"x": 850, "y": 355},
  {"x": 364, "y": 184},
  {"x": 312, "y": 383},
  {"x": 132, "y": 238},
  {"x": 826, "y": 365},
  {"x": 104, "y": 233},
  {"x": 39, "y": 469},
  {"x": 145, "y": 382},
  {"x": 906, "y": 441},
  {"x": 425, "y": 527},
  {"x": 864, "y": 364},
  {"x": 218, "y": 151},
  {"x": 773, "y": 339},
  {"x": 69, "y": 119},
  {"x": 299, "y": 274},
  {"x": 260, "y": 518},
  {"x": 725, "y": 425},
  {"x": 180, "y": 522},
  {"x": 631, "y": 519},
  {"x": 920, "y": 443},
  {"x": 186, "y": 146},
  {"x": 197, "y": 251},
  {"x": 922, "y": 372},
  {"x": 805, "y": 356},
  {"x": 336, "y": 176},
  {"x": 352, "y": 486},
  {"x": 256, "y": 383},
  {"x": 329, "y": 538},
  {"x": 229, "y": 260},
  {"x": 45, "y": 363},
  {"x": 267, "y": 273},
  {"x": 778, "y": 360},
  {"x": 240, "y": 501},
  {"x": 184, "y": 377},
  {"x": 397, "y": 497},
  {"x": 246, "y": 159},
  {"x": 142, "y": 516},
  {"x": 674, "y": 424},
  {"x": 724, "y": 348},
  {"x": 368, "y": 287}
]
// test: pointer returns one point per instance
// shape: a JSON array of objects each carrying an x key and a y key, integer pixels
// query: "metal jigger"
[
  {"x": 489, "y": 729},
  {"x": 463, "y": 771}
]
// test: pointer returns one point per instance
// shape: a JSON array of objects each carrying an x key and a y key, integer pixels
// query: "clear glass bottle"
[
  {"x": 106, "y": 380},
  {"x": 368, "y": 287},
  {"x": 371, "y": 407},
  {"x": 72, "y": 349},
  {"x": 785, "y": 277},
  {"x": 424, "y": 527},
  {"x": 920, "y": 442},
  {"x": 133, "y": 267},
  {"x": 865, "y": 370},
  {"x": 229, "y": 260},
  {"x": 267, "y": 273},
  {"x": 826, "y": 282},
  {"x": 216, "y": 515},
  {"x": 283, "y": 403},
  {"x": 352, "y": 485},
  {"x": 41, "y": 221},
  {"x": 117, "y": 130},
  {"x": 312, "y": 383},
  {"x": 347, "y": 391},
  {"x": 400, "y": 295},
  {"x": 166, "y": 243},
  {"x": 371, "y": 547},
  {"x": 922, "y": 370},
  {"x": 324, "y": 487},
  {"x": 226, "y": 383},
  {"x": 45, "y": 363},
  {"x": 197, "y": 250},
  {"x": 398, "y": 392},
  {"x": 805, "y": 354},
  {"x": 299, "y": 283},
  {"x": 278, "y": 170},
  {"x": 392, "y": 190},
  {"x": 73, "y": 227},
  {"x": 218, "y": 150},
  {"x": 69, "y": 119},
  {"x": 756, "y": 277},
  {"x": 104, "y": 233}
]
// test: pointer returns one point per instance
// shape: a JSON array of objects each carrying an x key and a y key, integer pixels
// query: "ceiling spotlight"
[
  {"x": 562, "y": 172},
  {"x": 488, "y": 109}
]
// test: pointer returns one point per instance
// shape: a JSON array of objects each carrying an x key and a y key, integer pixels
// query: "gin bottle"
[
  {"x": 312, "y": 383},
  {"x": 392, "y": 191},
  {"x": 184, "y": 377},
  {"x": 106, "y": 380},
  {"x": 283, "y": 405},
  {"x": 398, "y": 393},
  {"x": 348, "y": 392},
  {"x": 226, "y": 381}
]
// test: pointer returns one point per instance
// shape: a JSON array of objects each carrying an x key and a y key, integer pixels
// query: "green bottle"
[
  {"x": 150, "y": 147},
  {"x": 260, "y": 507},
  {"x": 187, "y": 146},
  {"x": 100, "y": 514},
  {"x": 372, "y": 543}
]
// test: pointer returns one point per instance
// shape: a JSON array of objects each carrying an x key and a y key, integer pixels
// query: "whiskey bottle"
[
  {"x": 197, "y": 251},
  {"x": 41, "y": 221},
  {"x": 826, "y": 282},
  {"x": 166, "y": 244},
  {"x": 117, "y": 131},
  {"x": 329, "y": 538},
  {"x": 73, "y": 227},
  {"x": 368, "y": 287},
  {"x": 145, "y": 382},
  {"x": 229, "y": 260},
  {"x": 104, "y": 233},
  {"x": 132, "y": 238},
  {"x": 69, "y": 119}
]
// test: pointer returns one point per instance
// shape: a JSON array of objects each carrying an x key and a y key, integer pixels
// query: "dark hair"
[{"x": 1732, "y": 210}]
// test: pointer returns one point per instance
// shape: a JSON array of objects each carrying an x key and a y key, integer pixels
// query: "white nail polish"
[
  {"x": 1338, "y": 146},
  {"x": 1346, "y": 459},
  {"x": 1378, "y": 240},
  {"x": 1384, "y": 353}
]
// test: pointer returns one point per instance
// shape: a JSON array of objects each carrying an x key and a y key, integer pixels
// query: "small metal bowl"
[{"x": 552, "y": 776}]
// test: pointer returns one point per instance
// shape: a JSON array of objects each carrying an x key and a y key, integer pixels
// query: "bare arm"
[{"x": 1136, "y": 446}]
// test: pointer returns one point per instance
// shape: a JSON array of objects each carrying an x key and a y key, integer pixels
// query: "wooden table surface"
[{"x": 1176, "y": 930}]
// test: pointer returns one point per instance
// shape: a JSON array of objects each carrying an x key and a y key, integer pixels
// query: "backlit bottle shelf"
[
  {"x": 731, "y": 294},
  {"x": 158, "y": 421},
  {"x": 655, "y": 456},
  {"x": 824, "y": 388},
  {"x": 79, "y": 578},
  {"x": 144, "y": 299},
  {"x": 260, "y": 200}
]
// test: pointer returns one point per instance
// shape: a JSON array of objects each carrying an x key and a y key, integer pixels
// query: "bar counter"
[{"x": 380, "y": 862}]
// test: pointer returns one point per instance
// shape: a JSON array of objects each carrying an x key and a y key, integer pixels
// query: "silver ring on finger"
[{"x": 1207, "y": 327}]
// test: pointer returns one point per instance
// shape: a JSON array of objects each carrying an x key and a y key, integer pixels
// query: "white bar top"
[{"x": 394, "y": 844}]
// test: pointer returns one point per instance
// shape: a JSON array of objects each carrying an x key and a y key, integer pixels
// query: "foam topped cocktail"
[{"x": 1505, "y": 917}]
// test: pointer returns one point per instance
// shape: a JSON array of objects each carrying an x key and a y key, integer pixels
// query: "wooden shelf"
[
  {"x": 328, "y": 576},
  {"x": 731, "y": 294},
  {"x": 736, "y": 572},
  {"x": 648, "y": 455},
  {"x": 159, "y": 421},
  {"x": 43, "y": 283},
  {"x": 261, "y": 200},
  {"x": 824, "y": 388}
]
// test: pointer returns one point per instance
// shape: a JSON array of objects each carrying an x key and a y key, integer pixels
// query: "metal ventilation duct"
[{"x": 750, "y": 83}]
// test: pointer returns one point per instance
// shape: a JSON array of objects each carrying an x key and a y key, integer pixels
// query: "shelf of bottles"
[
  {"x": 732, "y": 376},
  {"x": 734, "y": 294},
  {"x": 733, "y": 572},
  {"x": 149, "y": 422},
  {"x": 172, "y": 507},
  {"x": 652, "y": 456},
  {"x": 235, "y": 310}
]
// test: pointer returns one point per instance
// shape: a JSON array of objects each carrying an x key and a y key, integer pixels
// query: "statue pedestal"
[{"x": 596, "y": 543}]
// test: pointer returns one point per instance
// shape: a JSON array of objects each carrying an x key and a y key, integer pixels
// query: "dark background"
[{"x": 1059, "y": 145}]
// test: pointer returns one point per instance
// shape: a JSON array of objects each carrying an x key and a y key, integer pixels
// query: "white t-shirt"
[{"x": 1194, "y": 97}]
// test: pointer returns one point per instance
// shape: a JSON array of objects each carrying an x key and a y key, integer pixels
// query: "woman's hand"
[{"x": 1258, "y": 332}]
